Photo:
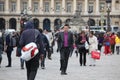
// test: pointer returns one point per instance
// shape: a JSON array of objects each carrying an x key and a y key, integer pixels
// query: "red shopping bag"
[{"x": 95, "y": 54}]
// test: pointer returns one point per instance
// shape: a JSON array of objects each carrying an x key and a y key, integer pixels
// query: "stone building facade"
[{"x": 51, "y": 14}]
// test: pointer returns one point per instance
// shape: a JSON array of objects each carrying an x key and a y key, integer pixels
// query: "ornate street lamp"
[
  {"x": 108, "y": 14},
  {"x": 102, "y": 18},
  {"x": 77, "y": 22},
  {"x": 24, "y": 17},
  {"x": 89, "y": 22}
]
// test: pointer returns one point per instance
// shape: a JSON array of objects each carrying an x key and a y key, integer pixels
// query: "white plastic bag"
[
  {"x": 86, "y": 45},
  {"x": 29, "y": 51}
]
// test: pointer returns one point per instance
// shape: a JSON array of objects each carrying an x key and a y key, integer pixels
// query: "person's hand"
[
  {"x": 5, "y": 48},
  {"x": 83, "y": 41},
  {"x": 96, "y": 49},
  {"x": 41, "y": 56}
]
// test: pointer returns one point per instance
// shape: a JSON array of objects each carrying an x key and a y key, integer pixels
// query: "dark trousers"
[
  {"x": 64, "y": 56},
  {"x": 22, "y": 63},
  {"x": 31, "y": 74},
  {"x": 117, "y": 49},
  {"x": 112, "y": 48},
  {"x": 82, "y": 58},
  {"x": 9, "y": 52},
  {"x": 49, "y": 52},
  {"x": 32, "y": 68},
  {"x": 43, "y": 60},
  {"x": 99, "y": 46},
  {"x": 0, "y": 57}
]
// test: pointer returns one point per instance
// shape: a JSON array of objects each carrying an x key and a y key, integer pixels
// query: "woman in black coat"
[{"x": 80, "y": 42}]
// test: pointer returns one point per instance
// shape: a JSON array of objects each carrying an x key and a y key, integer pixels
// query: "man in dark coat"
[
  {"x": 65, "y": 41},
  {"x": 1, "y": 50},
  {"x": 9, "y": 45},
  {"x": 32, "y": 35},
  {"x": 45, "y": 44}
]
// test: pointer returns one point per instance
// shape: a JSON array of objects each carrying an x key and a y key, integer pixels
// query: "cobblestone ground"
[{"x": 107, "y": 68}]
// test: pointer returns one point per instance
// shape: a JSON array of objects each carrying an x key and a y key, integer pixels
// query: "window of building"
[
  {"x": 116, "y": 23},
  {"x": 90, "y": 6},
  {"x": 46, "y": 7},
  {"x": 101, "y": 6},
  {"x": 1, "y": 6},
  {"x": 69, "y": 7},
  {"x": 117, "y": 5},
  {"x": 36, "y": 5},
  {"x": 13, "y": 6},
  {"x": 25, "y": 5},
  {"x": 79, "y": 6},
  {"x": 58, "y": 6}
]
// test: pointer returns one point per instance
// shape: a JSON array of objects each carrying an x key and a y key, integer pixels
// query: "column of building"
[
  {"x": 18, "y": 12},
  {"x": 97, "y": 11},
  {"x": 18, "y": 7},
  {"x": 63, "y": 7},
  {"x": 113, "y": 6},
  {"x": 52, "y": 7},
  {"x": 41, "y": 12},
  {"x": 7, "y": 6},
  {"x": 113, "y": 12},
  {"x": 41, "y": 7},
  {"x": 7, "y": 12},
  {"x": 52, "y": 11},
  {"x": 97, "y": 7},
  {"x": 30, "y": 7},
  {"x": 86, "y": 7},
  {"x": 74, "y": 6}
]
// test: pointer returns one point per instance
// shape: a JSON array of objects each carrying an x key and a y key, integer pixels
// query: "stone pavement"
[{"x": 107, "y": 68}]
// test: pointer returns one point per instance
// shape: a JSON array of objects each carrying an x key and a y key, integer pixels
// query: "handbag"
[
  {"x": 29, "y": 51},
  {"x": 81, "y": 46},
  {"x": 95, "y": 55}
]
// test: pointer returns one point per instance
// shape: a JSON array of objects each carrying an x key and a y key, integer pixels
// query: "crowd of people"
[{"x": 67, "y": 42}]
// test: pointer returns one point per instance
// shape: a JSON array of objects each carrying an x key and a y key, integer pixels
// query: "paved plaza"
[{"x": 107, "y": 68}]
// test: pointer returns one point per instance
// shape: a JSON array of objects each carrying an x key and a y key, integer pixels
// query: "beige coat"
[{"x": 93, "y": 43}]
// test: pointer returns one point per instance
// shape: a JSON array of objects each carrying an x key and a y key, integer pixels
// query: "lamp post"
[
  {"x": 77, "y": 22},
  {"x": 89, "y": 11},
  {"x": 102, "y": 18},
  {"x": 24, "y": 17},
  {"x": 108, "y": 14}
]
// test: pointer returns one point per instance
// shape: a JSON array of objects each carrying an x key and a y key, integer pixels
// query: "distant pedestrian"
[
  {"x": 93, "y": 46},
  {"x": 50, "y": 39},
  {"x": 56, "y": 38},
  {"x": 100, "y": 41},
  {"x": 45, "y": 44},
  {"x": 9, "y": 45},
  {"x": 1, "y": 48},
  {"x": 32, "y": 35},
  {"x": 65, "y": 42},
  {"x": 82, "y": 38},
  {"x": 112, "y": 42},
  {"x": 18, "y": 50},
  {"x": 107, "y": 49},
  {"x": 117, "y": 41}
]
